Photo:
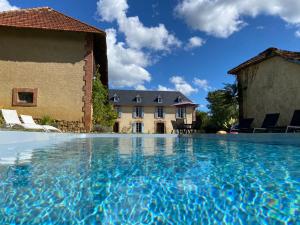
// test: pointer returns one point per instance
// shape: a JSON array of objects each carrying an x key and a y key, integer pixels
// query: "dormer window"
[
  {"x": 138, "y": 99},
  {"x": 159, "y": 99},
  {"x": 179, "y": 99},
  {"x": 116, "y": 98}
]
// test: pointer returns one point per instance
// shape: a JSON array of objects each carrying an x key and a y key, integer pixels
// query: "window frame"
[
  {"x": 159, "y": 99},
  {"x": 181, "y": 112},
  {"x": 17, "y": 102},
  {"x": 137, "y": 110},
  {"x": 139, "y": 127},
  {"x": 138, "y": 99},
  {"x": 160, "y": 109}
]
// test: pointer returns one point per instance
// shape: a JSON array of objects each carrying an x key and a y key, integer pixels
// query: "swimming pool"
[{"x": 143, "y": 180}]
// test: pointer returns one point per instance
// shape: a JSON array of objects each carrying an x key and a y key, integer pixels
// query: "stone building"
[
  {"x": 269, "y": 83},
  {"x": 150, "y": 111},
  {"x": 47, "y": 61}
]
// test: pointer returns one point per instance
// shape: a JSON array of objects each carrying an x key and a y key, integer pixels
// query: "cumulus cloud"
[
  {"x": 202, "y": 84},
  {"x": 221, "y": 18},
  {"x": 137, "y": 35},
  {"x": 297, "y": 33},
  {"x": 140, "y": 87},
  {"x": 6, "y": 6},
  {"x": 126, "y": 65},
  {"x": 183, "y": 86},
  {"x": 194, "y": 42},
  {"x": 163, "y": 88}
]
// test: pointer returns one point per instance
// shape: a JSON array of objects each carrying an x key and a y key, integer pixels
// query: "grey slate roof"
[{"x": 149, "y": 98}]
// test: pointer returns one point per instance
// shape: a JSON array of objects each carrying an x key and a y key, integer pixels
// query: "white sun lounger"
[
  {"x": 11, "y": 120},
  {"x": 29, "y": 120}
]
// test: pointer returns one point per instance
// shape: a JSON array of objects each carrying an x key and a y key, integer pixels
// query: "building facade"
[
  {"x": 269, "y": 83},
  {"x": 47, "y": 63},
  {"x": 150, "y": 111}
]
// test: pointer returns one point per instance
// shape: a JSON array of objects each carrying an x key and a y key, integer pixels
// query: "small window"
[
  {"x": 116, "y": 98},
  {"x": 138, "y": 99},
  {"x": 24, "y": 97},
  {"x": 179, "y": 99},
  {"x": 159, "y": 99}
]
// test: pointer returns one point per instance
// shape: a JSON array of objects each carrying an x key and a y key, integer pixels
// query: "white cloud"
[
  {"x": 6, "y": 6},
  {"x": 125, "y": 65},
  {"x": 163, "y": 88},
  {"x": 137, "y": 35},
  {"x": 297, "y": 33},
  {"x": 140, "y": 87},
  {"x": 221, "y": 18},
  {"x": 181, "y": 85},
  {"x": 202, "y": 84},
  {"x": 194, "y": 42}
]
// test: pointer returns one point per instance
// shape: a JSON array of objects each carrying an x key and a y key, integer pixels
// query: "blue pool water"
[{"x": 139, "y": 180}]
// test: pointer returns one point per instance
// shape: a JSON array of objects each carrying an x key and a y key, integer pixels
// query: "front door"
[
  {"x": 116, "y": 127},
  {"x": 160, "y": 128}
]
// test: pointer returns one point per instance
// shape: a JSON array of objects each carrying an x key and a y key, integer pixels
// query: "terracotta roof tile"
[
  {"x": 44, "y": 18},
  {"x": 270, "y": 52}
]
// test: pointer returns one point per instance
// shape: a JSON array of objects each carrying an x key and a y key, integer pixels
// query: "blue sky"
[{"x": 187, "y": 45}]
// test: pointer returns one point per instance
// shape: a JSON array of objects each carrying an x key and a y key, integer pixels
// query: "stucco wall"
[
  {"x": 149, "y": 120},
  {"x": 50, "y": 61},
  {"x": 271, "y": 86}
]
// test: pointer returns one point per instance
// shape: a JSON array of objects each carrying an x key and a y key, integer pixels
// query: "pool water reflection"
[{"x": 152, "y": 180}]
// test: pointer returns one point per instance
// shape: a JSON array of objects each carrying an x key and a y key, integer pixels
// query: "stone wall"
[{"x": 67, "y": 126}]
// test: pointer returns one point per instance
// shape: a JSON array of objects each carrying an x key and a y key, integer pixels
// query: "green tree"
[
  {"x": 223, "y": 106},
  {"x": 203, "y": 118},
  {"x": 103, "y": 112}
]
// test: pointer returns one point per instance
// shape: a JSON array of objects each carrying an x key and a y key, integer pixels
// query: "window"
[
  {"x": 116, "y": 98},
  {"x": 139, "y": 128},
  {"x": 159, "y": 112},
  {"x": 181, "y": 112},
  {"x": 138, "y": 112},
  {"x": 179, "y": 99},
  {"x": 138, "y": 99},
  {"x": 25, "y": 97},
  {"x": 118, "y": 110},
  {"x": 159, "y": 99}
]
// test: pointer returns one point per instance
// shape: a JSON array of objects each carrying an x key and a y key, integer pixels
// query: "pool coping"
[
  {"x": 263, "y": 138},
  {"x": 17, "y": 137}
]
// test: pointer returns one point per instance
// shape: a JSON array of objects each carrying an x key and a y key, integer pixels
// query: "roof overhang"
[
  {"x": 267, "y": 54},
  {"x": 186, "y": 104}
]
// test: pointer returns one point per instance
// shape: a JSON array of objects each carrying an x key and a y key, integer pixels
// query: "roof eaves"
[{"x": 267, "y": 54}]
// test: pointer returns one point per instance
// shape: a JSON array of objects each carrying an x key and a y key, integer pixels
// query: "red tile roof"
[
  {"x": 269, "y": 53},
  {"x": 44, "y": 18}
]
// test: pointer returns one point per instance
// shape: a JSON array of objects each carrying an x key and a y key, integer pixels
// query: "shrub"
[
  {"x": 1, "y": 120},
  {"x": 46, "y": 120},
  {"x": 104, "y": 114}
]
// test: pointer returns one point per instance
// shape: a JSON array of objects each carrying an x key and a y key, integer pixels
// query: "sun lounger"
[
  {"x": 269, "y": 123},
  {"x": 12, "y": 120},
  {"x": 29, "y": 120},
  {"x": 295, "y": 122},
  {"x": 243, "y": 126}
]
